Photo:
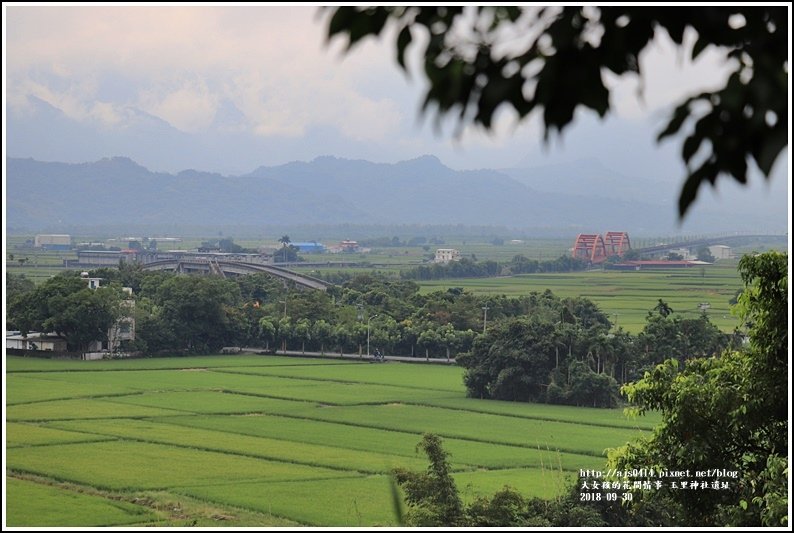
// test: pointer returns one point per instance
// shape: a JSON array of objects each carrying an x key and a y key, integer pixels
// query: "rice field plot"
[
  {"x": 536, "y": 249},
  {"x": 26, "y": 389},
  {"x": 18, "y": 434},
  {"x": 79, "y": 409},
  {"x": 165, "y": 380},
  {"x": 335, "y": 393},
  {"x": 464, "y": 454},
  {"x": 351, "y": 502},
  {"x": 32, "y": 364},
  {"x": 546, "y": 482},
  {"x": 625, "y": 296},
  {"x": 32, "y": 504},
  {"x": 559, "y": 413},
  {"x": 327, "y": 456},
  {"x": 38, "y": 274},
  {"x": 206, "y": 402},
  {"x": 125, "y": 465},
  {"x": 407, "y": 375}
]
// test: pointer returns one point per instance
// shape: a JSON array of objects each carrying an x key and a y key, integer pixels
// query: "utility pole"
[
  {"x": 361, "y": 319},
  {"x": 284, "y": 340},
  {"x": 370, "y": 318},
  {"x": 484, "y": 317}
]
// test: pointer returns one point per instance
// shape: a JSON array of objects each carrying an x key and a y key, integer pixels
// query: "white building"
[
  {"x": 53, "y": 242},
  {"x": 93, "y": 283},
  {"x": 124, "y": 328},
  {"x": 720, "y": 251},
  {"x": 47, "y": 342},
  {"x": 445, "y": 255}
]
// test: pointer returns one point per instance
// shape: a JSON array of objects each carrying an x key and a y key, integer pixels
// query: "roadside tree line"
[{"x": 470, "y": 268}]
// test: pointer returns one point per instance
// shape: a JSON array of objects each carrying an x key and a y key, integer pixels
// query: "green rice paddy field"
[
  {"x": 267, "y": 440},
  {"x": 626, "y": 296}
]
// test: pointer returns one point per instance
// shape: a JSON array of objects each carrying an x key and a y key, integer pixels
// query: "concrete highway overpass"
[
  {"x": 235, "y": 268},
  {"x": 728, "y": 239}
]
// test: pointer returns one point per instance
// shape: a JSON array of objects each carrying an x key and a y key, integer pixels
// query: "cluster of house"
[
  {"x": 49, "y": 241},
  {"x": 122, "y": 330},
  {"x": 90, "y": 258}
]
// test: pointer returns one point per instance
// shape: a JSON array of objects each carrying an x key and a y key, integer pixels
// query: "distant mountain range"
[{"x": 586, "y": 197}]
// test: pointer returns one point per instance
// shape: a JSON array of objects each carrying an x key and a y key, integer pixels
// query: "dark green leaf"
[
  {"x": 691, "y": 145},
  {"x": 679, "y": 116},
  {"x": 770, "y": 150},
  {"x": 689, "y": 191},
  {"x": 341, "y": 20}
]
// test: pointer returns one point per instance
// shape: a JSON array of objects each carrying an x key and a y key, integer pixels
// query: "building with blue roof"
[{"x": 309, "y": 247}]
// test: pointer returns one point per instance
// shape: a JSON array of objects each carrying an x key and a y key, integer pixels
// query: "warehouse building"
[
  {"x": 53, "y": 242},
  {"x": 309, "y": 247}
]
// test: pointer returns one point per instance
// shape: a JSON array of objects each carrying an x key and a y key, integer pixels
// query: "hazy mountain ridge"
[
  {"x": 327, "y": 190},
  {"x": 590, "y": 177},
  {"x": 584, "y": 194}
]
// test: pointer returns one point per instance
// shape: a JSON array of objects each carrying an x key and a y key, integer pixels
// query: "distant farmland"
[
  {"x": 625, "y": 296},
  {"x": 265, "y": 440}
]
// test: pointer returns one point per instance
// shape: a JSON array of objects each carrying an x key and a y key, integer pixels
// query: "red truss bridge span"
[{"x": 594, "y": 248}]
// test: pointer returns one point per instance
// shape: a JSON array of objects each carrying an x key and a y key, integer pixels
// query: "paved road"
[{"x": 354, "y": 356}]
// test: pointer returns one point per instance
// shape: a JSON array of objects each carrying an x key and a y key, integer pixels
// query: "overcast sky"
[
  {"x": 183, "y": 64},
  {"x": 265, "y": 77}
]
